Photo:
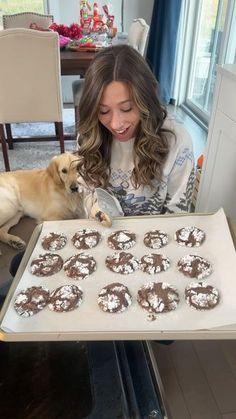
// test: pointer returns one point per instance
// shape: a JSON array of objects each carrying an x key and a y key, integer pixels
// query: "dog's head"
[{"x": 63, "y": 169}]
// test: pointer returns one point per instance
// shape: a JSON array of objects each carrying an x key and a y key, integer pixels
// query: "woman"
[{"x": 126, "y": 143}]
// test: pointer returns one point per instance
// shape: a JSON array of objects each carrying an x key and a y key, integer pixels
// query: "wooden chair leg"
[
  {"x": 9, "y": 136},
  {"x": 60, "y": 135},
  {"x": 4, "y": 148}
]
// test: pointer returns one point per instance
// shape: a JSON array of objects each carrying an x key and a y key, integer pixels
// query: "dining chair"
[
  {"x": 25, "y": 19},
  {"x": 77, "y": 89},
  {"x": 138, "y": 34},
  {"x": 30, "y": 83}
]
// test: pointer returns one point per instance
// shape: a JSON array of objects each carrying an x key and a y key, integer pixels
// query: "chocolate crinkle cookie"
[
  {"x": 86, "y": 238},
  {"x": 155, "y": 239},
  {"x": 190, "y": 236},
  {"x": 65, "y": 298},
  {"x": 79, "y": 266},
  {"x": 122, "y": 263},
  {"x": 121, "y": 240},
  {"x": 154, "y": 263},
  {"x": 194, "y": 266},
  {"x": 158, "y": 297},
  {"x": 201, "y": 295},
  {"x": 54, "y": 241},
  {"x": 114, "y": 298},
  {"x": 46, "y": 264},
  {"x": 31, "y": 300}
]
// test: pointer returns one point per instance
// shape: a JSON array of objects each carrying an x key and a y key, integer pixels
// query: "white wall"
[
  {"x": 137, "y": 8},
  {"x": 67, "y": 12}
]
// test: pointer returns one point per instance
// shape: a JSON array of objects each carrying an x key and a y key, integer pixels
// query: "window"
[
  {"x": 8, "y": 7},
  {"x": 210, "y": 39}
]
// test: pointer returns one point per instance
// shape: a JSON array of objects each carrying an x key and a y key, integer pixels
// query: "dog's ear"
[{"x": 53, "y": 170}]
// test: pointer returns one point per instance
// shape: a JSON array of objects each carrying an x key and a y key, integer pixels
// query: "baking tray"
[{"x": 88, "y": 322}]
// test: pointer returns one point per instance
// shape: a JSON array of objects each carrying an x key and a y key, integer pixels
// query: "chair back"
[
  {"x": 138, "y": 34},
  {"x": 77, "y": 89},
  {"x": 30, "y": 76},
  {"x": 24, "y": 20}
]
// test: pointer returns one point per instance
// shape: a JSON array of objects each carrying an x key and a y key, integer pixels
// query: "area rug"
[{"x": 29, "y": 155}]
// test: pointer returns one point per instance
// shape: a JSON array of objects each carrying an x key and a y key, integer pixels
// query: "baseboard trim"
[{"x": 198, "y": 121}]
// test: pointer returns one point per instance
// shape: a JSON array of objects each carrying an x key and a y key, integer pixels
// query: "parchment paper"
[{"x": 218, "y": 249}]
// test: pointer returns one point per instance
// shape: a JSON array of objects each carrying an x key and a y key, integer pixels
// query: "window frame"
[{"x": 187, "y": 38}]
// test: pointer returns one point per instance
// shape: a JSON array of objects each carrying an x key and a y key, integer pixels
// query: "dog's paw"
[
  {"x": 103, "y": 218},
  {"x": 17, "y": 244}
]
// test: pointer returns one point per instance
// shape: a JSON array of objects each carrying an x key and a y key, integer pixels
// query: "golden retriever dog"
[{"x": 43, "y": 194}]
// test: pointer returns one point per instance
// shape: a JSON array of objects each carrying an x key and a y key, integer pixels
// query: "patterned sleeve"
[{"x": 181, "y": 177}]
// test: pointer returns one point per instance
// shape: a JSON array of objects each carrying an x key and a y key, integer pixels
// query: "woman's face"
[{"x": 117, "y": 112}]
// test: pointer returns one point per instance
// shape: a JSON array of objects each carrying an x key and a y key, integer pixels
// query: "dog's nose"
[{"x": 73, "y": 188}]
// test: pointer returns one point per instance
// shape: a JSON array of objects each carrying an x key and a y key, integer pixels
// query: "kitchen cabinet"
[{"x": 218, "y": 178}]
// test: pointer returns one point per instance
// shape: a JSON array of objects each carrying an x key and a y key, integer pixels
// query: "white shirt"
[{"x": 172, "y": 194}]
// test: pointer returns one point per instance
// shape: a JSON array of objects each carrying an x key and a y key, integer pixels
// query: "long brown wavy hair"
[{"x": 121, "y": 63}]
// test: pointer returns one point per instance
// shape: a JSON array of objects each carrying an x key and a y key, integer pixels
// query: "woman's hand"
[
  {"x": 103, "y": 218},
  {"x": 100, "y": 216}
]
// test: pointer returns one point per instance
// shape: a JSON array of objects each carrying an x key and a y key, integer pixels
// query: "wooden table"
[{"x": 75, "y": 62}]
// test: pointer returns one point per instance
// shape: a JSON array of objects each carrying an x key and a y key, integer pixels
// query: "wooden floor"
[{"x": 198, "y": 378}]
